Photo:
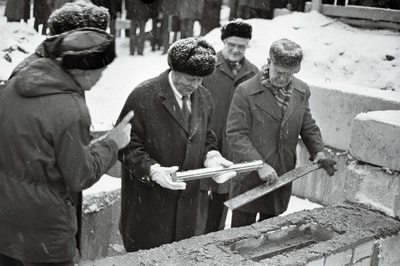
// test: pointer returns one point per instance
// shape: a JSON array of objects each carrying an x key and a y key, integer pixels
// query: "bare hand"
[{"x": 121, "y": 133}]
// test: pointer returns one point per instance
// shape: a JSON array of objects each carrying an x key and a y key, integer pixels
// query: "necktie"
[{"x": 185, "y": 109}]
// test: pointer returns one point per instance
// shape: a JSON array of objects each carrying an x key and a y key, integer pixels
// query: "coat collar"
[
  {"x": 223, "y": 65},
  {"x": 265, "y": 99},
  {"x": 170, "y": 103}
]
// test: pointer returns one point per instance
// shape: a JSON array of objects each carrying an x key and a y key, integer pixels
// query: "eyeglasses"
[{"x": 240, "y": 47}]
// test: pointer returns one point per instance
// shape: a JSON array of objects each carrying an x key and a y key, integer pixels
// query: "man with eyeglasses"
[
  {"x": 268, "y": 114},
  {"x": 232, "y": 68},
  {"x": 171, "y": 131}
]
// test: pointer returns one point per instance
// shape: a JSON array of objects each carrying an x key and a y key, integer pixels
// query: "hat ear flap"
[{"x": 52, "y": 46}]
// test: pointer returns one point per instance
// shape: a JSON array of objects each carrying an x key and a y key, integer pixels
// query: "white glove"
[
  {"x": 162, "y": 176},
  {"x": 215, "y": 159},
  {"x": 268, "y": 174},
  {"x": 319, "y": 156}
]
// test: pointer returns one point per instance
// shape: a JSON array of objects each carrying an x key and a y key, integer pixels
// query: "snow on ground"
[{"x": 333, "y": 53}]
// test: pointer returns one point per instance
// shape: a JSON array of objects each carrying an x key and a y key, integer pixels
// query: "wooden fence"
[{"x": 361, "y": 16}]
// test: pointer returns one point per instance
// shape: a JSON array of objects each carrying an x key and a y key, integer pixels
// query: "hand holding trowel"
[{"x": 273, "y": 184}]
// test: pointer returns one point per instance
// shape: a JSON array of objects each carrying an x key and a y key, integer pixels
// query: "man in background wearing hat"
[
  {"x": 268, "y": 114},
  {"x": 47, "y": 153},
  {"x": 70, "y": 16},
  {"x": 232, "y": 68},
  {"x": 171, "y": 131}
]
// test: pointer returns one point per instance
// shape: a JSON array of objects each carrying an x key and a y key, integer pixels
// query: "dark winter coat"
[
  {"x": 44, "y": 139},
  {"x": 39, "y": 53},
  {"x": 17, "y": 9},
  {"x": 150, "y": 214},
  {"x": 138, "y": 10},
  {"x": 113, "y": 6},
  {"x": 190, "y": 9},
  {"x": 222, "y": 84},
  {"x": 257, "y": 130}
]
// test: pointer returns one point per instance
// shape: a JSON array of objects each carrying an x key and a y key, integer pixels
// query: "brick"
[
  {"x": 338, "y": 259},
  {"x": 389, "y": 251},
  {"x": 375, "y": 138},
  {"x": 363, "y": 262},
  {"x": 319, "y": 262},
  {"x": 363, "y": 251}
]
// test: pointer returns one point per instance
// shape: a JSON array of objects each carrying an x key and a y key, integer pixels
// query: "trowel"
[{"x": 264, "y": 189}]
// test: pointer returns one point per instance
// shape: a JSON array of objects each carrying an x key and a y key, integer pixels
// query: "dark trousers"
[
  {"x": 211, "y": 213},
  {"x": 8, "y": 261},
  {"x": 240, "y": 218}
]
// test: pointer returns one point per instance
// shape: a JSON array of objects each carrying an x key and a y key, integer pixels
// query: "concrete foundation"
[{"x": 335, "y": 235}]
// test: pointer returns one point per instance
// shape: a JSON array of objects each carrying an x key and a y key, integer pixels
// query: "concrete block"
[
  {"x": 339, "y": 259},
  {"x": 334, "y": 107},
  {"x": 318, "y": 186},
  {"x": 373, "y": 186},
  {"x": 389, "y": 254},
  {"x": 363, "y": 251},
  {"x": 375, "y": 138}
]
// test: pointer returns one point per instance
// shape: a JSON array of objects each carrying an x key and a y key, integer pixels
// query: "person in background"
[
  {"x": 47, "y": 152},
  {"x": 232, "y": 68},
  {"x": 211, "y": 16},
  {"x": 41, "y": 12},
  {"x": 114, "y": 8},
  {"x": 69, "y": 17},
  {"x": 139, "y": 12},
  {"x": 189, "y": 12},
  {"x": 267, "y": 115},
  {"x": 169, "y": 17},
  {"x": 171, "y": 131},
  {"x": 17, "y": 9}
]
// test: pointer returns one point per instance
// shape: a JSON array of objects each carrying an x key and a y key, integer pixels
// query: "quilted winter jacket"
[{"x": 45, "y": 156}]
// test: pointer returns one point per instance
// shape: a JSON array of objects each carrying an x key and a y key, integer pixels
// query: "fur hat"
[
  {"x": 286, "y": 53},
  {"x": 237, "y": 28},
  {"x": 86, "y": 48},
  {"x": 192, "y": 56},
  {"x": 78, "y": 15}
]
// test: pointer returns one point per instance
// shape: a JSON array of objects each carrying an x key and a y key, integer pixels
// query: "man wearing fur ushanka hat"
[
  {"x": 170, "y": 132},
  {"x": 55, "y": 159},
  {"x": 70, "y": 16},
  {"x": 232, "y": 68}
]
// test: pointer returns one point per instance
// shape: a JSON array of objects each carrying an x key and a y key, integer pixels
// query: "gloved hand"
[
  {"x": 162, "y": 176},
  {"x": 268, "y": 174},
  {"x": 327, "y": 164},
  {"x": 215, "y": 159}
]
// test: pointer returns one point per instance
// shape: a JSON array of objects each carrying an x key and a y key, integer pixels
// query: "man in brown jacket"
[{"x": 268, "y": 114}]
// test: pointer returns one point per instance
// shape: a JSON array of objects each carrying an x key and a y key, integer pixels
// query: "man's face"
[
  {"x": 186, "y": 84},
  {"x": 87, "y": 78},
  {"x": 281, "y": 76},
  {"x": 235, "y": 48}
]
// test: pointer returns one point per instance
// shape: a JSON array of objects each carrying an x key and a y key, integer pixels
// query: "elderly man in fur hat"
[
  {"x": 232, "y": 68},
  {"x": 47, "y": 154},
  {"x": 171, "y": 131},
  {"x": 267, "y": 115}
]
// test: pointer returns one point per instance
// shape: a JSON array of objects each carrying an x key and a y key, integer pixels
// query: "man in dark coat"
[
  {"x": 47, "y": 152},
  {"x": 171, "y": 130},
  {"x": 232, "y": 68},
  {"x": 268, "y": 114}
]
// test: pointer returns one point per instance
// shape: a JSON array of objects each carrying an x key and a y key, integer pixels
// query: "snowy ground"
[{"x": 334, "y": 52}]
